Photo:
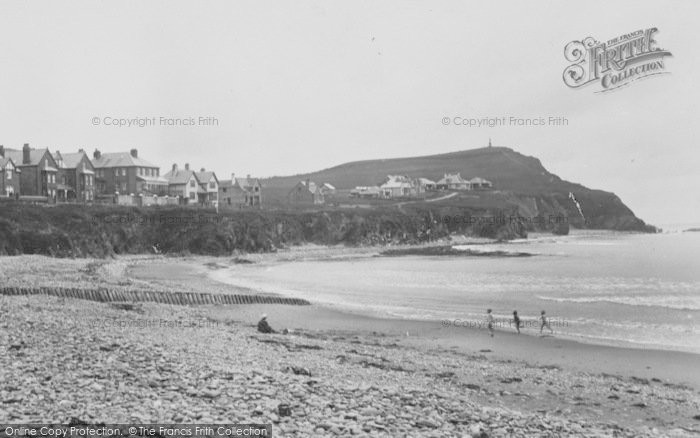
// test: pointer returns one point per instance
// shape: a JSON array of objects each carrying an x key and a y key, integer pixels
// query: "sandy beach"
[{"x": 341, "y": 373}]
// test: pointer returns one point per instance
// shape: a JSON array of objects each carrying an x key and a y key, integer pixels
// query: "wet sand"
[{"x": 549, "y": 350}]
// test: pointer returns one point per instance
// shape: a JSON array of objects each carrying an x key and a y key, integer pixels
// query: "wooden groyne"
[{"x": 105, "y": 295}]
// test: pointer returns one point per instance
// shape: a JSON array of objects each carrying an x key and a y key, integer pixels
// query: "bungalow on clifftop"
[
  {"x": 453, "y": 182},
  {"x": 425, "y": 185},
  {"x": 397, "y": 186},
  {"x": 365, "y": 192}
]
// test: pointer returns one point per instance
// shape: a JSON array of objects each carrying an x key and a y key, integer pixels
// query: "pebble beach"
[{"x": 66, "y": 359}]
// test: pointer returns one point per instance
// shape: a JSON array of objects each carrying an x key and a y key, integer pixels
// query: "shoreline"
[
  {"x": 671, "y": 366},
  {"x": 362, "y": 370},
  {"x": 327, "y": 254}
]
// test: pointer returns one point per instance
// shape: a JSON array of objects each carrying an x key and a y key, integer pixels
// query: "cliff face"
[
  {"x": 529, "y": 185},
  {"x": 75, "y": 231}
]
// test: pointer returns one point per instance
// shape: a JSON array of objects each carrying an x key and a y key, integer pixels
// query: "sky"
[{"x": 300, "y": 86}]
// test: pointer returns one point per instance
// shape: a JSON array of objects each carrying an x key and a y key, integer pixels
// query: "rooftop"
[
  {"x": 17, "y": 155},
  {"x": 119, "y": 159},
  {"x": 71, "y": 160},
  {"x": 180, "y": 176}
]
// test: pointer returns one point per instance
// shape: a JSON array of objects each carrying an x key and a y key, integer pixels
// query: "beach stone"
[
  {"x": 370, "y": 412},
  {"x": 426, "y": 423},
  {"x": 210, "y": 393}
]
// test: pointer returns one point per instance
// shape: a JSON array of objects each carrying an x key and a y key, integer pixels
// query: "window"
[
  {"x": 192, "y": 195},
  {"x": 212, "y": 185},
  {"x": 191, "y": 183},
  {"x": 9, "y": 173},
  {"x": 123, "y": 171}
]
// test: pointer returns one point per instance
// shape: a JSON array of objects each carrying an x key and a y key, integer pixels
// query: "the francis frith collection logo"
[{"x": 614, "y": 63}]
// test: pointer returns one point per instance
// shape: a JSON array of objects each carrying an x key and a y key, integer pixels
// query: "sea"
[{"x": 601, "y": 287}]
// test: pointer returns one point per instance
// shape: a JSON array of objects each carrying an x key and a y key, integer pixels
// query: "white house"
[
  {"x": 184, "y": 184},
  {"x": 210, "y": 185},
  {"x": 453, "y": 181},
  {"x": 397, "y": 186}
]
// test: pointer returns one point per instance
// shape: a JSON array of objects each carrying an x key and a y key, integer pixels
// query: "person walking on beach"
[
  {"x": 490, "y": 321},
  {"x": 516, "y": 320},
  {"x": 545, "y": 323}
]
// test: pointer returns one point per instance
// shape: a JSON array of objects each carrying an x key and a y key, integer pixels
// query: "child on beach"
[
  {"x": 490, "y": 321},
  {"x": 545, "y": 323},
  {"x": 516, "y": 320}
]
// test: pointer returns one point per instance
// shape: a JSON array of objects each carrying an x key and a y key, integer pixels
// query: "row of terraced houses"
[{"x": 121, "y": 177}]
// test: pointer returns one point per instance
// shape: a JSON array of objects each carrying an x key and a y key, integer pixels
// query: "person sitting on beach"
[
  {"x": 516, "y": 320},
  {"x": 490, "y": 321},
  {"x": 545, "y": 323},
  {"x": 264, "y": 326}
]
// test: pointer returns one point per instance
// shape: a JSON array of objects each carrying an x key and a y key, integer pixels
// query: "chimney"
[
  {"x": 308, "y": 182},
  {"x": 174, "y": 167},
  {"x": 248, "y": 176},
  {"x": 135, "y": 153},
  {"x": 187, "y": 166},
  {"x": 2, "y": 151},
  {"x": 97, "y": 154},
  {"x": 202, "y": 169},
  {"x": 25, "y": 154},
  {"x": 81, "y": 150},
  {"x": 233, "y": 178}
]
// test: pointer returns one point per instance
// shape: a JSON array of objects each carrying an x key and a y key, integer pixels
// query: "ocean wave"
[{"x": 675, "y": 303}]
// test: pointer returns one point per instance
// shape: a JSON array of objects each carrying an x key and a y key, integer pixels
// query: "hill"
[{"x": 521, "y": 183}]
